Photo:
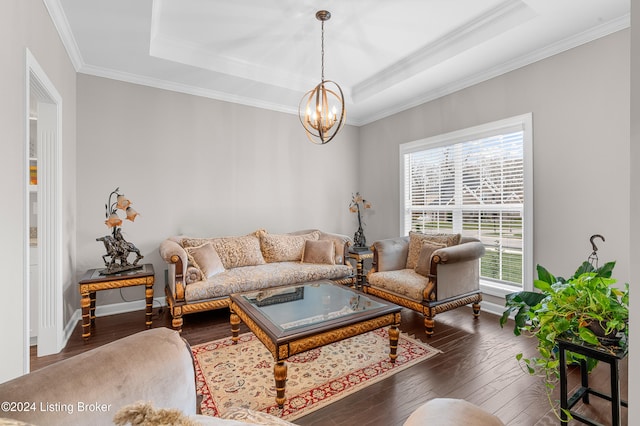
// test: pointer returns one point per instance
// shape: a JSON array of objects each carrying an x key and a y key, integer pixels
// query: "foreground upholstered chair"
[
  {"x": 428, "y": 273},
  {"x": 152, "y": 370},
  {"x": 451, "y": 412},
  {"x": 154, "y": 365}
]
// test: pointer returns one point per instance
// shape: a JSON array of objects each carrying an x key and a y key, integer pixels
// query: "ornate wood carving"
[{"x": 321, "y": 339}]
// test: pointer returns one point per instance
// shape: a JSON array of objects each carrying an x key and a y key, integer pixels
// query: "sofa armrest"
[
  {"x": 390, "y": 254},
  {"x": 155, "y": 365},
  {"x": 455, "y": 271},
  {"x": 459, "y": 253},
  {"x": 177, "y": 260},
  {"x": 342, "y": 244}
]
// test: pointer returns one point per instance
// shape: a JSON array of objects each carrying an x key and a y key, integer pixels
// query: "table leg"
[
  {"x": 92, "y": 296},
  {"x": 394, "y": 335},
  {"x": 584, "y": 380},
  {"x": 149, "y": 301},
  {"x": 564, "y": 404},
  {"x": 235, "y": 327},
  {"x": 359, "y": 274},
  {"x": 280, "y": 375},
  {"x": 615, "y": 393},
  {"x": 85, "y": 303}
]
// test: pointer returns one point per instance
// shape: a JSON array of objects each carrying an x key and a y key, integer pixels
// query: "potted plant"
[{"x": 585, "y": 308}]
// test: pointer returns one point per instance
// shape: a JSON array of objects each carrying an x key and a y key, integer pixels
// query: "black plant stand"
[{"x": 611, "y": 357}]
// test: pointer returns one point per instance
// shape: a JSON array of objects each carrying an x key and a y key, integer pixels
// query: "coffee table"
[{"x": 293, "y": 319}]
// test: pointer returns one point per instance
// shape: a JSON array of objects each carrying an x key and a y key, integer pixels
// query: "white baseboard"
[
  {"x": 120, "y": 308},
  {"x": 101, "y": 311},
  {"x": 137, "y": 305},
  {"x": 492, "y": 308}
]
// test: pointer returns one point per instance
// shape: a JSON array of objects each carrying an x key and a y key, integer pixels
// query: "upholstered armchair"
[{"x": 428, "y": 273}]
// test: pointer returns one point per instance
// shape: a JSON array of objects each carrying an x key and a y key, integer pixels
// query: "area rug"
[{"x": 241, "y": 375}]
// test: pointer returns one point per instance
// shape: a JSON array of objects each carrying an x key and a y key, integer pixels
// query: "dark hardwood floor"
[{"x": 477, "y": 364}]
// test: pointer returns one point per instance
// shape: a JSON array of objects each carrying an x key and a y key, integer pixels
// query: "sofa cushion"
[
  {"x": 269, "y": 275},
  {"x": 423, "y": 266},
  {"x": 205, "y": 258},
  {"x": 416, "y": 239},
  {"x": 284, "y": 247},
  {"x": 404, "y": 282},
  {"x": 233, "y": 251},
  {"x": 451, "y": 412},
  {"x": 321, "y": 251},
  {"x": 392, "y": 253}
]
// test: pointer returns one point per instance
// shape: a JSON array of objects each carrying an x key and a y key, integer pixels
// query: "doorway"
[{"x": 43, "y": 228}]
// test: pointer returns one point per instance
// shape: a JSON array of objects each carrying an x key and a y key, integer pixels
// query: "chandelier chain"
[{"x": 322, "y": 50}]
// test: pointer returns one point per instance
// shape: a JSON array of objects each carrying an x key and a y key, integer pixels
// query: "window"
[{"x": 477, "y": 182}]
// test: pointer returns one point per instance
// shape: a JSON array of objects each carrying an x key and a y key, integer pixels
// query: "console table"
[
  {"x": 93, "y": 281},
  {"x": 611, "y": 357}
]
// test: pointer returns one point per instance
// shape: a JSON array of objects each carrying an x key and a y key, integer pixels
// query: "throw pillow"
[
  {"x": 206, "y": 259},
  {"x": 320, "y": 251},
  {"x": 284, "y": 247},
  {"x": 239, "y": 251},
  {"x": 423, "y": 266},
  {"x": 416, "y": 239}
]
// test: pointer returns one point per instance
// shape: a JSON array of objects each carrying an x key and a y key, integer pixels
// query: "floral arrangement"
[
  {"x": 358, "y": 203},
  {"x": 123, "y": 203}
]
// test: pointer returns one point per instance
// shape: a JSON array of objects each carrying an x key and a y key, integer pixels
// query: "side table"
[
  {"x": 92, "y": 281},
  {"x": 359, "y": 255},
  {"x": 611, "y": 357}
]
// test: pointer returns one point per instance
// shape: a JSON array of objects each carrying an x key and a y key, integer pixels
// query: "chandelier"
[{"x": 321, "y": 109}]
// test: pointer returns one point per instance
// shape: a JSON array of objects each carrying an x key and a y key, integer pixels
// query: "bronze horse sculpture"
[{"x": 118, "y": 251}]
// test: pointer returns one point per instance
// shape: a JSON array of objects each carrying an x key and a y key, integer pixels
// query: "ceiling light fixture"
[{"x": 318, "y": 109}]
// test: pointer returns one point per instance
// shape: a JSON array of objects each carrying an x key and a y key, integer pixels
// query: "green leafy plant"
[{"x": 584, "y": 308}]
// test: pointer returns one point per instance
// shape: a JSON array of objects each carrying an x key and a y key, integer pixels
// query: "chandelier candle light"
[
  {"x": 357, "y": 203},
  {"x": 118, "y": 249},
  {"x": 318, "y": 109}
]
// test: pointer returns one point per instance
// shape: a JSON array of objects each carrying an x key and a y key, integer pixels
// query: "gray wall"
[
  {"x": 580, "y": 105},
  {"x": 201, "y": 167},
  {"x": 26, "y": 24}
]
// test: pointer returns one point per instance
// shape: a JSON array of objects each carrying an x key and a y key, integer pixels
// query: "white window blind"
[{"x": 473, "y": 184}]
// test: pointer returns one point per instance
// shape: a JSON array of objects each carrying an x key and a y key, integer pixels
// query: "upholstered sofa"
[
  {"x": 203, "y": 272},
  {"x": 428, "y": 273}
]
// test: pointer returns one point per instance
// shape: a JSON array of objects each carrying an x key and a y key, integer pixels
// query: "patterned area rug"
[{"x": 242, "y": 375}]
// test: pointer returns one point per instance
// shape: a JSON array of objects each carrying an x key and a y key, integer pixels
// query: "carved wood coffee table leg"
[
  {"x": 148, "y": 292},
  {"x": 85, "y": 304},
  {"x": 235, "y": 327},
  {"x": 280, "y": 375},
  {"x": 394, "y": 335}
]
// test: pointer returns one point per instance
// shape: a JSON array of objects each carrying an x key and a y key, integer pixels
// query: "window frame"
[{"x": 522, "y": 123}]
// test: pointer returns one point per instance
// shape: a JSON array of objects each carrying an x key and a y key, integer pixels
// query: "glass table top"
[{"x": 293, "y": 307}]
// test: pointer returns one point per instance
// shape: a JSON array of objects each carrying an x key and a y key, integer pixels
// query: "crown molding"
[
  {"x": 64, "y": 31},
  {"x": 184, "y": 88},
  {"x": 61, "y": 24},
  {"x": 587, "y": 36},
  {"x": 471, "y": 33}
]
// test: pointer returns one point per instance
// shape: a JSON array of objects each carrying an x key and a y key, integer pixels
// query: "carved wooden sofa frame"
[{"x": 177, "y": 262}]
